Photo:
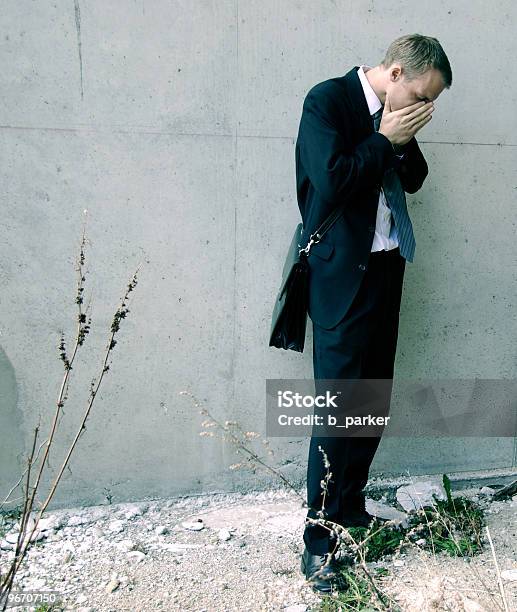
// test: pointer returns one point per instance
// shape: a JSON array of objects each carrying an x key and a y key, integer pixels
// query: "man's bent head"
[{"x": 414, "y": 68}]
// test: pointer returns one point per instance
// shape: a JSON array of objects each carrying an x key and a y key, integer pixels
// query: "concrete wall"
[{"x": 173, "y": 123}]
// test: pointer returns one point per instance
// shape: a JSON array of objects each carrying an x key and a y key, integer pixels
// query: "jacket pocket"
[{"x": 322, "y": 250}]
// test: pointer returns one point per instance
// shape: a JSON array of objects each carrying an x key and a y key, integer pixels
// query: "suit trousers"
[{"x": 362, "y": 345}]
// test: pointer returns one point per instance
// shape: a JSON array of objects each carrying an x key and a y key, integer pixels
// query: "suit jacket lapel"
[{"x": 357, "y": 98}]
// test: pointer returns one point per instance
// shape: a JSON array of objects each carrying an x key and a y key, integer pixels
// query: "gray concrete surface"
[{"x": 174, "y": 125}]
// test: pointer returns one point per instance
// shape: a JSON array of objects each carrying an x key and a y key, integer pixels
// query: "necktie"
[{"x": 396, "y": 199}]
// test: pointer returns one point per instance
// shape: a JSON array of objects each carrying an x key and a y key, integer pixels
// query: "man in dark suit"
[{"x": 356, "y": 148}]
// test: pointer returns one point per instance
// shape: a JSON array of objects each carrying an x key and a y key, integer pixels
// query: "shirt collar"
[{"x": 374, "y": 104}]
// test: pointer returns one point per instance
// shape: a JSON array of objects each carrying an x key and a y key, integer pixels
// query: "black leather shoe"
[{"x": 320, "y": 576}]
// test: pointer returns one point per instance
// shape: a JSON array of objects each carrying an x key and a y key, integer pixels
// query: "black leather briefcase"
[{"x": 289, "y": 320}]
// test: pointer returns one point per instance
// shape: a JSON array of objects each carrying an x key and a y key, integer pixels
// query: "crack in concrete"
[
  {"x": 77, "y": 11},
  {"x": 135, "y": 130}
]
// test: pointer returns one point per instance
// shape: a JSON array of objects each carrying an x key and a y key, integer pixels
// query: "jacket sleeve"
[
  {"x": 335, "y": 168},
  {"x": 412, "y": 169}
]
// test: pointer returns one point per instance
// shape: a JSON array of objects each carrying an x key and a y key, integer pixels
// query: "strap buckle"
[{"x": 312, "y": 241}]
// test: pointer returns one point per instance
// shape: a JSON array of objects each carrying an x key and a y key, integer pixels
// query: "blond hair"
[{"x": 416, "y": 54}]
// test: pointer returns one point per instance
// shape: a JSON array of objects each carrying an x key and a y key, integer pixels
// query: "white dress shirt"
[{"x": 385, "y": 231}]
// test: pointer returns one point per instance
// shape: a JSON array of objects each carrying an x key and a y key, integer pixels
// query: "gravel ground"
[{"x": 236, "y": 552}]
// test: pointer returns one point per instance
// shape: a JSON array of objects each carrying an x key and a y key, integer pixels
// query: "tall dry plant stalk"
[
  {"x": 26, "y": 533},
  {"x": 232, "y": 432}
]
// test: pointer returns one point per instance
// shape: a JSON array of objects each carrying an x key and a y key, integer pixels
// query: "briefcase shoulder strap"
[{"x": 322, "y": 229}]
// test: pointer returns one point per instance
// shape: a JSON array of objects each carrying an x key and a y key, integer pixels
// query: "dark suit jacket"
[{"x": 340, "y": 159}]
